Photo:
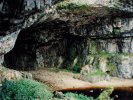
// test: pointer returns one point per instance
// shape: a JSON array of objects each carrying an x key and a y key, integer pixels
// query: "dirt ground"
[{"x": 65, "y": 80}]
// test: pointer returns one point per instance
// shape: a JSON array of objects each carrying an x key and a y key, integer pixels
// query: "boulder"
[
  {"x": 88, "y": 73},
  {"x": 7, "y": 74}
]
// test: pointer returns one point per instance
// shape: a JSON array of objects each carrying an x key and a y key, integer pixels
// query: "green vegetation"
[
  {"x": 93, "y": 47},
  {"x": 105, "y": 95},
  {"x": 111, "y": 67},
  {"x": 93, "y": 76},
  {"x": 24, "y": 89},
  {"x": 104, "y": 54},
  {"x": 68, "y": 5},
  {"x": 117, "y": 31},
  {"x": 97, "y": 72},
  {"x": 74, "y": 96},
  {"x": 111, "y": 64},
  {"x": 110, "y": 58},
  {"x": 76, "y": 69}
]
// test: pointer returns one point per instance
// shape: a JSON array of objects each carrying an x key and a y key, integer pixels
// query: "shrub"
[
  {"x": 74, "y": 96},
  {"x": 68, "y": 5},
  {"x": 76, "y": 69},
  {"x": 105, "y": 95},
  {"x": 24, "y": 89}
]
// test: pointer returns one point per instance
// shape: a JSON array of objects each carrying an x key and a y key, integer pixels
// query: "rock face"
[
  {"x": 6, "y": 44},
  {"x": 7, "y": 74},
  {"x": 63, "y": 36},
  {"x": 93, "y": 75},
  {"x": 16, "y": 16}
]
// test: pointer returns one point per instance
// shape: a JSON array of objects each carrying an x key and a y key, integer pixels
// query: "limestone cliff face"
[
  {"x": 15, "y": 16},
  {"x": 68, "y": 34}
]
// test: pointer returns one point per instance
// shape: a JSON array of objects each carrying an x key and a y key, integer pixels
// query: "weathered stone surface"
[
  {"x": 125, "y": 66},
  {"x": 7, "y": 74},
  {"x": 119, "y": 65},
  {"x": 7, "y": 42},
  {"x": 16, "y": 16},
  {"x": 91, "y": 74},
  {"x": 65, "y": 37}
]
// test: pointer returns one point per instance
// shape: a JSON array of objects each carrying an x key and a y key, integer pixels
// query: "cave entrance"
[
  {"x": 21, "y": 56},
  {"x": 46, "y": 45}
]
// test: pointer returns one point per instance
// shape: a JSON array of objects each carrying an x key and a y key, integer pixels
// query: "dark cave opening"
[
  {"x": 44, "y": 47},
  {"x": 16, "y": 58}
]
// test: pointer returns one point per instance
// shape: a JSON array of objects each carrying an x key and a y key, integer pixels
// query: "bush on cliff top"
[
  {"x": 68, "y": 5},
  {"x": 24, "y": 89}
]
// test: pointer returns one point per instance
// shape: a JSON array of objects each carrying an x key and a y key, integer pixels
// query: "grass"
[
  {"x": 107, "y": 54},
  {"x": 68, "y": 5},
  {"x": 97, "y": 72},
  {"x": 104, "y": 54},
  {"x": 72, "y": 7},
  {"x": 75, "y": 69}
]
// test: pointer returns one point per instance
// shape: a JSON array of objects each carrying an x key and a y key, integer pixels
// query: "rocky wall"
[{"x": 33, "y": 37}]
